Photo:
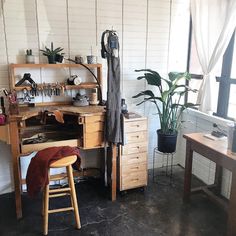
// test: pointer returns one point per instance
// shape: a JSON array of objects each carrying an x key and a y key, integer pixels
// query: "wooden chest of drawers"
[{"x": 133, "y": 154}]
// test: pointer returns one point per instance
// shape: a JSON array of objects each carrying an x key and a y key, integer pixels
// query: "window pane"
[
  {"x": 193, "y": 84},
  {"x": 232, "y": 102}
]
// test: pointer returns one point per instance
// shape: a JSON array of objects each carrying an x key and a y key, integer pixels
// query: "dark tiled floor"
[{"x": 156, "y": 211}]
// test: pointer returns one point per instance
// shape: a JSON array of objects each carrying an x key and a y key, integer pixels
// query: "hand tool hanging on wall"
[{"x": 26, "y": 78}]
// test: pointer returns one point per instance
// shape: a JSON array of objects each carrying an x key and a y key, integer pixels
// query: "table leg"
[
  {"x": 113, "y": 172},
  {"x": 218, "y": 178},
  {"x": 16, "y": 168},
  {"x": 232, "y": 207},
  {"x": 188, "y": 171}
]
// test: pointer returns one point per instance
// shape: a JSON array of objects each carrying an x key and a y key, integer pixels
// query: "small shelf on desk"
[
  {"x": 56, "y": 66},
  {"x": 84, "y": 85}
]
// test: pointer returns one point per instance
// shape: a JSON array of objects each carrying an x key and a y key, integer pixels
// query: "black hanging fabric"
[{"x": 110, "y": 50}]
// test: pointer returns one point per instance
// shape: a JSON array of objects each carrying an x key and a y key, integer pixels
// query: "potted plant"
[
  {"x": 53, "y": 54},
  {"x": 169, "y": 104}
]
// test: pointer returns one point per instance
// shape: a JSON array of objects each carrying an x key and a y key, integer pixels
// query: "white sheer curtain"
[{"x": 213, "y": 24}]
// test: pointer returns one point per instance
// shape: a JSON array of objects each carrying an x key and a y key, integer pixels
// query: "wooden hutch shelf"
[{"x": 85, "y": 85}]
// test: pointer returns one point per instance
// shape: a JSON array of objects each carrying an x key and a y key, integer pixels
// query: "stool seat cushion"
[{"x": 37, "y": 173}]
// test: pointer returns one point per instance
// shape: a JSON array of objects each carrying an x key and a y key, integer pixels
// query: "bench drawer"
[
  {"x": 134, "y": 180},
  {"x": 134, "y": 148},
  {"x": 135, "y": 137},
  {"x": 135, "y": 126},
  {"x": 133, "y": 158},
  {"x": 27, "y": 148}
]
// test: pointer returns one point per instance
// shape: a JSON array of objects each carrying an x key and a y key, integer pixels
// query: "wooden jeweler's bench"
[{"x": 36, "y": 128}]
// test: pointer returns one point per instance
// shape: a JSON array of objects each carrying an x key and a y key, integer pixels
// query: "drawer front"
[
  {"x": 39, "y": 146},
  {"x": 93, "y": 140},
  {"x": 135, "y": 137},
  {"x": 133, "y": 126},
  {"x": 134, "y": 180},
  {"x": 128, "y": 169},
  {"x": 93, "y": 127},
  {"x": 91, "y": 119},
  {"x": 133, "y": 158},
  {"x": 134, "y": 148}
]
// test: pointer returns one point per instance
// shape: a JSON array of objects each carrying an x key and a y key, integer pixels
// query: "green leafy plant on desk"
[{"x": 52, "y": 54}]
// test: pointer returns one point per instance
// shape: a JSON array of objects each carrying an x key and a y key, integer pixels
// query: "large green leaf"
[
  {"x": 144, "y": 93},
  {"x": 148, "y": 70},
  {"x": 175, "y": 76},
  {"x": 152, "y": 77},
  {"x": 165, "y": 95}
]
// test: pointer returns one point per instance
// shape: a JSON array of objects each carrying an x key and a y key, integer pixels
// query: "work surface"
[
  {"x": 87, "y": 129},
  {"x": 27, "y": 112},
  {"x": 217, "y": 148},
  {"x": 216, "y": 151}
]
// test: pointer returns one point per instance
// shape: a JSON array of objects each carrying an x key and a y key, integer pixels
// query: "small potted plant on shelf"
[
  {"x": 168, "y": 103},
  {"x": 53, "y": 55}
]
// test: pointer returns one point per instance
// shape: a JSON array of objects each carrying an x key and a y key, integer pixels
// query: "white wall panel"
[
  {"x": 109, "y": 16},
  {"x": 82, "y": 27},
  {"x": 20, "y": 29}
]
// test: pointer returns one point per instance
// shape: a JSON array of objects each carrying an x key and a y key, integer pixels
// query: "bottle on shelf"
[{"x": 123, "y": 106}]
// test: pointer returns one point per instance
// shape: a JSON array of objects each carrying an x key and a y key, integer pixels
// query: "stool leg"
[
  {"x": 73, "y": 194},
  {"x": 45, "y": 208}
]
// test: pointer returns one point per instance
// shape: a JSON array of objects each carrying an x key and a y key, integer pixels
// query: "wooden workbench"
[{"x": 90, "y": 118}]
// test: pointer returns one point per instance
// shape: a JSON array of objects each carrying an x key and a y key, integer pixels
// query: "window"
[{"x": 225, "y": 71}]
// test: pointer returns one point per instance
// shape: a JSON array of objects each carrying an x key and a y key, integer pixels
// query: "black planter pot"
[
  {"x": 166, "y": 142},
  {"x": 59, "y": 58},
  {"x": 52, "y": 59}
]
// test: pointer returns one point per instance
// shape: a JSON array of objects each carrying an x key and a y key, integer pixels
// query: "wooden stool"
[{"x": 64, "y": 162}]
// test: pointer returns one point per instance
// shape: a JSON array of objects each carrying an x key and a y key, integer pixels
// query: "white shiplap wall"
[{"x": 145, "y": 42}]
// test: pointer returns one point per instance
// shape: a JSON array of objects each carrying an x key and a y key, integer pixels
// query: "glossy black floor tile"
[{"x": 158, "y": 210}]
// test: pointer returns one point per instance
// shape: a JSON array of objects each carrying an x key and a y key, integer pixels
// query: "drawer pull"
[
  {"x": 136, "y": 168},
  {"x": 135, "y": 126},
  {"x": 134, "y": 179}
]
